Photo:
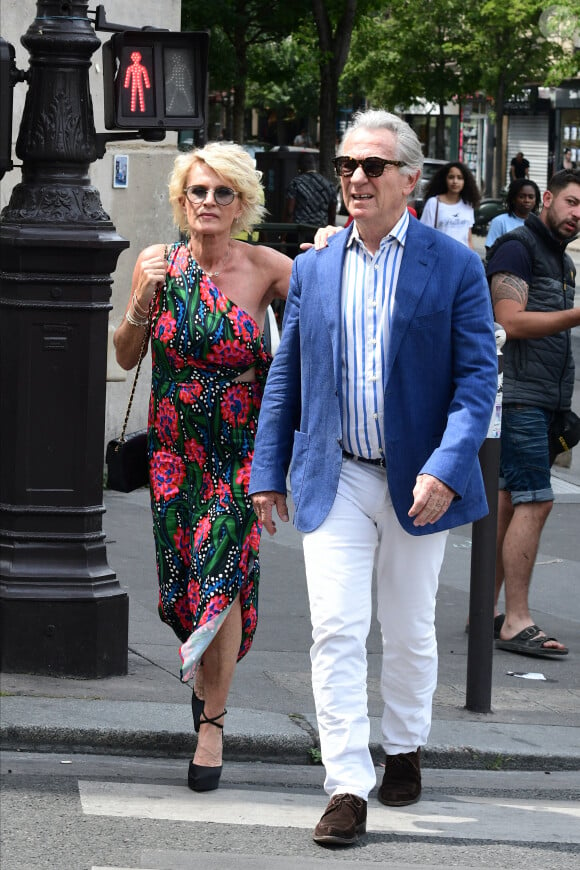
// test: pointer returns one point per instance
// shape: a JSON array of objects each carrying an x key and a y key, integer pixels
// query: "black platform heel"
[
  {"x": 200, "y": 777},
  {"x": 197, "y": 705}
]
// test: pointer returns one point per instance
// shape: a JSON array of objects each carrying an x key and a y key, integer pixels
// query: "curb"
[
  {"x": 265, "y": 749},
  {"x": 153, "y": 729}
]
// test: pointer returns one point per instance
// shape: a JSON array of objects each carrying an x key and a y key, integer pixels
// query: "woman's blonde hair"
[{"x": 236, "y": 167}]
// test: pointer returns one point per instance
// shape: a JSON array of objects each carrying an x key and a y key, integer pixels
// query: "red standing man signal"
[{"x": 136, "y": 77}]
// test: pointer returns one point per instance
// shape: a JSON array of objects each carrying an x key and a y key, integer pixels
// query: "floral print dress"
[{"x": 202, "y": 427}]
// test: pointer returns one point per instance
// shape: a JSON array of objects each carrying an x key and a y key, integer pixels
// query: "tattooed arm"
[{"x": 510, "y": 296}]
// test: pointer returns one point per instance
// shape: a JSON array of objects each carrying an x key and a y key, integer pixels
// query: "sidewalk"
[{"x": 535, "y": 724}]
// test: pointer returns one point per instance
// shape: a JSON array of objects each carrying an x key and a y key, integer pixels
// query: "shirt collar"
[{"x": 398, "y": 233}]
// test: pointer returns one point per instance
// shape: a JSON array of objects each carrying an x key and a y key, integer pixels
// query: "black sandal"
[{"x": 199, "y": 776}]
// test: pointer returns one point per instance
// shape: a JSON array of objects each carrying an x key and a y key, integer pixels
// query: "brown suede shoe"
[
  {"x": 343, "y": 820},
  {"x": 402, "y": 780}
]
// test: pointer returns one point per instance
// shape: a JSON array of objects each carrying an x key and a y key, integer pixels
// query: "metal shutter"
[{"x": 529, "y": 133}]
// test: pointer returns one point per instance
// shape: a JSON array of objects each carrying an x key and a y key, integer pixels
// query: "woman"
[
  {"x": 207, "y": 301},
  {"x": 451, "y": 198},
  {"x": 523, "y": 197}
]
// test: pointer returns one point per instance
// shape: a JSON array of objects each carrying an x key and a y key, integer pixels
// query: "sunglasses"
[
  {"x": 372, "y": 167},
  {"x": 197, "y": 193}
]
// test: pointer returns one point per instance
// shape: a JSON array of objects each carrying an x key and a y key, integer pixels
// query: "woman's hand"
[
  {"x": 321, "y": 238},
  {"x": 149, "y": 274}
]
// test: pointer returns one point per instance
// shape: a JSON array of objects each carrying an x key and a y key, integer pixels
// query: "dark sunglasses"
[
  {"x": 197, "y": 193},
  {"x": 372, "y": 167}
]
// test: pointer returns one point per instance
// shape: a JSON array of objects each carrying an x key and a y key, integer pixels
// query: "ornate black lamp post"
[{"x": 62, "y": 610}]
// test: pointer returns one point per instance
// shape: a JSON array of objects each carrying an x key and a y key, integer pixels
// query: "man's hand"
[
  {"x": 431, "y": 499},
  {"x": 264, "y": 502},
  {"x": 321, "y": 238}
]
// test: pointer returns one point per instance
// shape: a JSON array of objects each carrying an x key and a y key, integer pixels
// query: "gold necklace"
[{"x": 215, "y": 274}]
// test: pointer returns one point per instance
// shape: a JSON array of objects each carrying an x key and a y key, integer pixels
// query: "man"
[
  {"x": 380, "y": 395},
  {"x": 310, "y": 198},
  {"x": 532, "y": 286},
  {"x": 519, "y": 167}
]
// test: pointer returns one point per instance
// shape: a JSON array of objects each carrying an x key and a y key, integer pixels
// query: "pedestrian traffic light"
[{"x": 155, "y": 79}]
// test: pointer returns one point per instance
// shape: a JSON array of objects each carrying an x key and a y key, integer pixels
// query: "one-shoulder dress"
[{"x": 202, "y": 426}]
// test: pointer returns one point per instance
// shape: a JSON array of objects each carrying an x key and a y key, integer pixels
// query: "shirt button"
[{"x": 375, "y": 416}]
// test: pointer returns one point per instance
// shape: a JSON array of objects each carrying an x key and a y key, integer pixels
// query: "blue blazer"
[{"x": 440, "y": 384}]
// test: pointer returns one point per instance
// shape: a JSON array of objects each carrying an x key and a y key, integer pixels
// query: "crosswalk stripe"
[{"x": 463, "y": 817}]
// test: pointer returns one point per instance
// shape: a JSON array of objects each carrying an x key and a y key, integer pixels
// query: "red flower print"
[
  {"x": 167, "y": 473},
  {"x": 174, "y": 358},
  {"x": 243, "y": 476},
  {"x": 183, "y": 545},
  {"x": 253, "y": 539},
  {"x": 212, "y": 295},
  {"x": 178, "y": 262},
  {"x": 202, "y": 531},
  {"x": 195, "y": 452},
  {"x": 229, "y": 353},
  {"x": 166, "y": 422},
  {"x": 235, "y": 405},
  {"x": 249, "y": 621},
  {"x": 215, "y": 606},
  {"x": 244, "y": 325},
  {"x": 193, "y": 597},
  {"x": 224, "y": 494},
  {"x": 183, "y": 612},
  {"x": 190, "y": 393},
  {"x": 166, "y": 328},
  {"x": 207, "y": 488}
]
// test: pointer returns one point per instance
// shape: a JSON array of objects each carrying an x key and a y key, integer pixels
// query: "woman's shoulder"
[{"x": 262, "y": 255}]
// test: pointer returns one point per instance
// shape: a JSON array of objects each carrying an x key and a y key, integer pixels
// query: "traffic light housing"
[{"x": 155, "y": 79}]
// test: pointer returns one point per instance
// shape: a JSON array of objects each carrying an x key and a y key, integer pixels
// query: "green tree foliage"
[
  {"x": 237, "y": 26},
  {"x": 512, "y": 48},
  {"x": 442, "y": 50},
  {"x": 284, "y": 77}
]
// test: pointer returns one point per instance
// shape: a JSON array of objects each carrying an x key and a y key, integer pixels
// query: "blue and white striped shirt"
[{"x": 369, "y": 284}]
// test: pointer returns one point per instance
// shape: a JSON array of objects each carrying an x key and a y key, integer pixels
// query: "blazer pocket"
[{"x": 429, "y": 321}]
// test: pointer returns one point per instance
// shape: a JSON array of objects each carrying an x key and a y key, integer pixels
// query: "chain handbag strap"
[{"x": 142, "y": 353}]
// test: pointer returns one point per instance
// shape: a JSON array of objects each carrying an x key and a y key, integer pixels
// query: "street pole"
[
  {"x": 483, "y": 546},
  {"x": 62, "y": 610}
]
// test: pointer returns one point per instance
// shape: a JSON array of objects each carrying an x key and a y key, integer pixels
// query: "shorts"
[{"x": 525, "y": 459}]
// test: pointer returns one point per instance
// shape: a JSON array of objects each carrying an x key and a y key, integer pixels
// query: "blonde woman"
[{"x": 207, "y": 300}]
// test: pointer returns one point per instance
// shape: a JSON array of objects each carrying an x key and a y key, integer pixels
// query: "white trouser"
[{"x": 339, "y": 558}]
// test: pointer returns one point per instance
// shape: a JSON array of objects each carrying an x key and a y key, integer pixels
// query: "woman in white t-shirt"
[{"x": 451, "y": 198}]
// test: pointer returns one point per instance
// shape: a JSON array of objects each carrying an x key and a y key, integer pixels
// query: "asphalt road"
[{"x": 78, "y": 812}]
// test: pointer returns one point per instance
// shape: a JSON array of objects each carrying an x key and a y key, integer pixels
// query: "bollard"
[{"x": 483, "y": 545}]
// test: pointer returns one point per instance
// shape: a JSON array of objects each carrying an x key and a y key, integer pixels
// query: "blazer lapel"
[
  {"x": 416, "y": 266},
  {"x": 329, "y": 273}
]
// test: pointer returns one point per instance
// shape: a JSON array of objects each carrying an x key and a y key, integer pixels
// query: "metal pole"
[
  {"x": 483, "y": 556},
  {"x": 62, "y": 610}
]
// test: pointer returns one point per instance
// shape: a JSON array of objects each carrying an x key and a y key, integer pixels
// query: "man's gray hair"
[{"x": 408, "y": 147}]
